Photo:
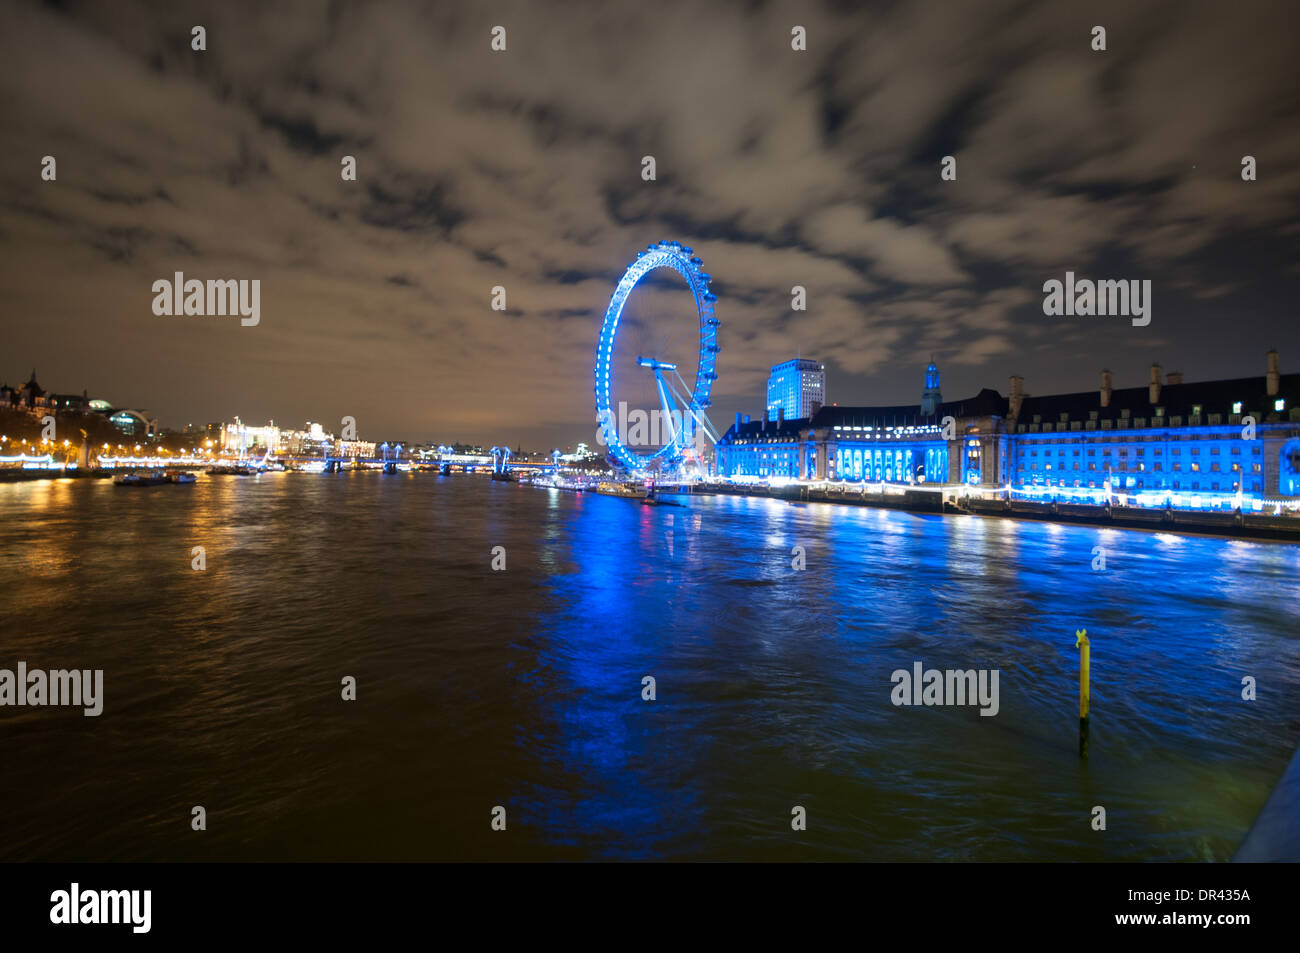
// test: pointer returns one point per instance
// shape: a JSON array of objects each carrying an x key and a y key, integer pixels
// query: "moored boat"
[
  {"x": 141, "y": 478},
  {"x": 625, "y": 490}
]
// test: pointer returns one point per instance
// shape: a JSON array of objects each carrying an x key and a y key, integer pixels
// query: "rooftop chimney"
[
  {"x": 780, "y": 416},
  {"x": 1105, "y": 387},
  {"x": 1174, "y": 377},
  {"x": 738, "y": 421},
  {"x": 1017, "y": 395},
  {"x": 1274, "y": 378},
  {"x": 1153, "y": 389}
]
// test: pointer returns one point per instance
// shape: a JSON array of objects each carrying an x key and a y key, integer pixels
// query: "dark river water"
[{"x": 522, "y": 688}]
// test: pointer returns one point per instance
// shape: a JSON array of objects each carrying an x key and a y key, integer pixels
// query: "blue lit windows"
[{"x": 1288, "y": 469}]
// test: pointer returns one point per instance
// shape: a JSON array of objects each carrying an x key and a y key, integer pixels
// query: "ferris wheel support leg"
[
  {"x": 697, "y": 413},
  {"x": 669, "y": 407}
]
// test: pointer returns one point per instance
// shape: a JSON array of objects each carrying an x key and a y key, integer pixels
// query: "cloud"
[{"x": 522, "y": 169}]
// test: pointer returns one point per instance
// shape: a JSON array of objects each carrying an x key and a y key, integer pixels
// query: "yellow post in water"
[{"x": 1085, "y": 677}]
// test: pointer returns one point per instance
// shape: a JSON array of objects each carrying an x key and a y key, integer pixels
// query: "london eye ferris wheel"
[{"x": 684, "y": 427}]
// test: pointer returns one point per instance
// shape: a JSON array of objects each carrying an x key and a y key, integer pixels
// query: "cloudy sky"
[{"x": 523, "y": 169}]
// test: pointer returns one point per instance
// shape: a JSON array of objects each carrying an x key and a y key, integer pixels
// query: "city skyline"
[{"x": 479, "y": 168}]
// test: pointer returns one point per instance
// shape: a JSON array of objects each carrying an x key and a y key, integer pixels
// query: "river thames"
[{"x": 523, "y": 688}]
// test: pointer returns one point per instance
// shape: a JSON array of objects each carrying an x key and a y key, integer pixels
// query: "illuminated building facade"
[
  {"x": 135, "y": 424},
  {"x": 1199, "y": 442},
  {"x": 796, "y": 389},
  {"x": 239, "y": 437},
  {"x": 1205, "y": 444}
]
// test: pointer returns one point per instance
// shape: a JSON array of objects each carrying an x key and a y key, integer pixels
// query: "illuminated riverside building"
[
  {"x": 901, "y": 444},
  {"x": 1210, "y": 443},
  {"x": 1167, "y": 439},
  {"x": 314, "y": 441},
  {"x": 239, "y": 437}
]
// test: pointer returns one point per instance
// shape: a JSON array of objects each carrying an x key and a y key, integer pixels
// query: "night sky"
[{"x": 523, "y": 169}]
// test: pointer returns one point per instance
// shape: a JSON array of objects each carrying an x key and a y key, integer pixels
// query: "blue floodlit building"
[
  {"x": 796, "y": 389},
  {"x": 1204, "y": 444}
]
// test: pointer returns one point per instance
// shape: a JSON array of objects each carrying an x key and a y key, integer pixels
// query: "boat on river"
[
  {"x": 141, "y": 478},
  {"x": 625, "y": 490}
]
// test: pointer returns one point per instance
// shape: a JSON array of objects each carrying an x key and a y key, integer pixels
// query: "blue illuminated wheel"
[{"x": 682, "y": 260}]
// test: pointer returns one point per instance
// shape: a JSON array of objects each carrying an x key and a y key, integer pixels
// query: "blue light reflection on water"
[{"x": 774, "y": 685}]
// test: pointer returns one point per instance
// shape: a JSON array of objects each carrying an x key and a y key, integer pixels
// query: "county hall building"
[{"x": 1168, "y": 442}]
